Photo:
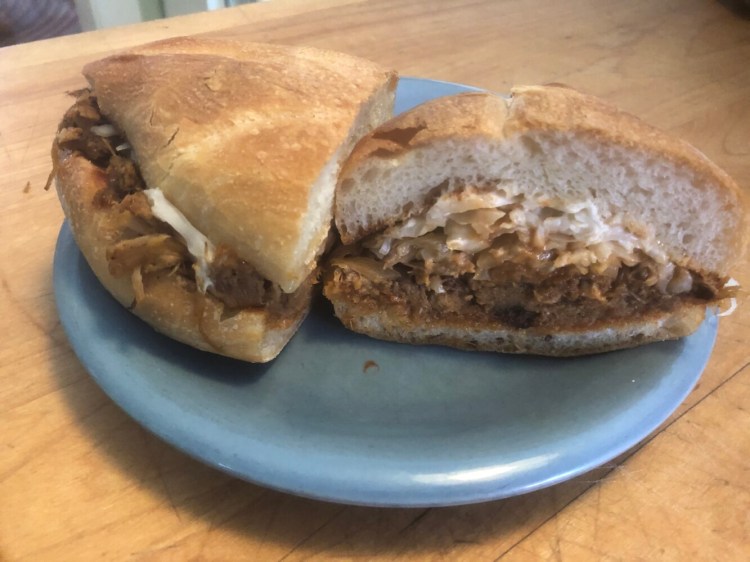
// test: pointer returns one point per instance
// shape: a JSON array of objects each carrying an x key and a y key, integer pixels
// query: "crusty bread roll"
[
  {"x": 198, "y": 177},
  {"x": 547, "y": 223}
]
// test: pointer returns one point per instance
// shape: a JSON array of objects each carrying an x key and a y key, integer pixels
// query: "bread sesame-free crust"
[
  {"x": 547, "y": 144},
  {"x": 548, "y": 119},
  {"x": 245, "y": 139},
  {"x": 171, "y": 305},
  {"x": 257, "y": 130},
  {"x": 388, "y": 323}
]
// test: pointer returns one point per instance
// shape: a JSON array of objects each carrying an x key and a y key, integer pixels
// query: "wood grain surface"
[{"x": 79, "y": 480}]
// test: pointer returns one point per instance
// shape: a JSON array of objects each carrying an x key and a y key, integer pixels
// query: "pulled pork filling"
[
  {"x": 152, "y": 246},
  {"x": 519, "y": 261}
]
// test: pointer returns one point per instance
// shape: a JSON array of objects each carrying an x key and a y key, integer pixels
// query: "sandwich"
[
  {"x": 547, "y": 222},
  {"x": 198, "y": 177}
]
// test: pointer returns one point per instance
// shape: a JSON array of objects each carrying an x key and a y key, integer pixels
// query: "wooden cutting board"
[{"x": 79, "y": 480}]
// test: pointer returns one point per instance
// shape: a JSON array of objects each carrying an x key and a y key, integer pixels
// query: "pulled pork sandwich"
[
  {"x": 198, "y": 178},
  {"x": 547, "y": 223}
]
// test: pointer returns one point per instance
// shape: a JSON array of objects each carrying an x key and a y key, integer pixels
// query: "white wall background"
[{"x": 97, "y": 14}]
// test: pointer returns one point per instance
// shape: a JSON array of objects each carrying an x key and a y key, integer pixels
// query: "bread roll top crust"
[
  {"x": 547, "y": 143},
  {"x": 245, "y": 138}
]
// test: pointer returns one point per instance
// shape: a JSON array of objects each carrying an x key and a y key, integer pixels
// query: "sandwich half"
[
  {"x": 198, "y": 177},
  {"x": 546, "y": 223}
]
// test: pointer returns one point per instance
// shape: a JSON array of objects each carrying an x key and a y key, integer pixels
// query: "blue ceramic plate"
[{"x": 342, "y": 417}]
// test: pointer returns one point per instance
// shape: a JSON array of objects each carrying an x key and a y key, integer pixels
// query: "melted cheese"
[{"x": 197, "y": 244}]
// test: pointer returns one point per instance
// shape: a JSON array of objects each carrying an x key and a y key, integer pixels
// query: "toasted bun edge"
[
  {"x": 169, "y": 306},
  {"x": 384, "y": 324}
]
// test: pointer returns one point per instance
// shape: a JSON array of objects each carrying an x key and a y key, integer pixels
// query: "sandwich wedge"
[
  {"x": 547, "y": 223},
  {"x": 198, "y": 178}
]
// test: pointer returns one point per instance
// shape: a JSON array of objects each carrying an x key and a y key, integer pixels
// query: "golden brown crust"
[
  {"x": 388, "y": 323},
  {"x": 172, "y": 305},
  {"x": 249, "y": 127}
]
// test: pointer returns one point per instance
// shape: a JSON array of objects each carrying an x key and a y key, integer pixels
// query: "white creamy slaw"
[
  {"x": 197, "y": 244},
  {"x": 472, "y": 219}
]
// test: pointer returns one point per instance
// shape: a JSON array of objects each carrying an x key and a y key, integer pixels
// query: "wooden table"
[{"x": 79, "y": 480}]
